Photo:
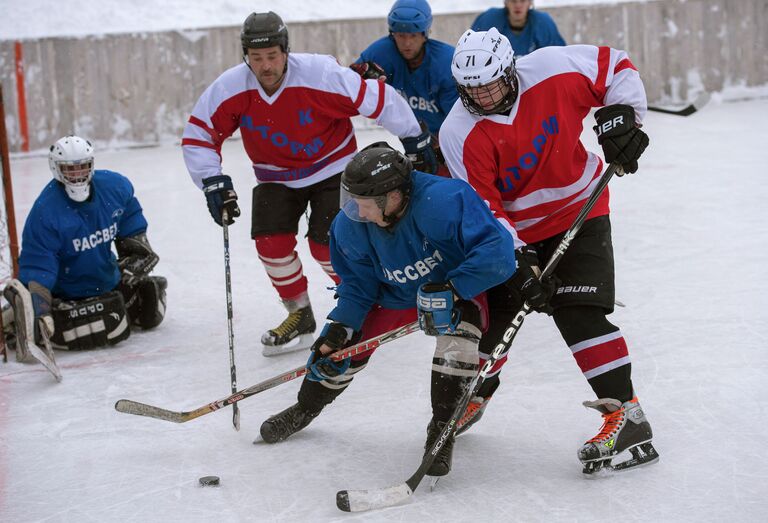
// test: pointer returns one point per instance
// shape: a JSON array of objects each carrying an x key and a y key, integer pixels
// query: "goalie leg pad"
[
  {"x": 145, "y": 301},
  {"x": 23, "y": 317},
  {"x": 90, "y": 323}
]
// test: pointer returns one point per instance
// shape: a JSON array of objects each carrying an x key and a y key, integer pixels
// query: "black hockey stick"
[
  {"x": 688, "y": 110},
  {"x": 141, "y": 409},
  {"x": 228, "y": 285},
  {"x": 362, "y": 500}
]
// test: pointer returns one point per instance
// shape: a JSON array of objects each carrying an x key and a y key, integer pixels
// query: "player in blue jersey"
[
  {"x": 526, "y": 28},
  {"x": 77, "y": 293},
  {"x": 417, "y": 66},
  {"x": 403, "y": 238}
]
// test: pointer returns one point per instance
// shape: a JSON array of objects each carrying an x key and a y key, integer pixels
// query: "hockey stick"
[
  {"x": 45, "y": 357},
  {"x": 25, "y": 338},
  {"x": 51, "y": 364},
  {"x": 362, "y": 500},
  {"x": 141, "y": 409},
  {"x": 688, "y": 110},
  {"x": 231, "y": 335}
]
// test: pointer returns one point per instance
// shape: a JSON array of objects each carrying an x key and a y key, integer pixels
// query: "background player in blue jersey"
[
  {"x": 414, "y": 64},
  {"x": 82, "y": 296},
  {"x": 404, "y": 235},
  {"x": 526, "y": 28}
]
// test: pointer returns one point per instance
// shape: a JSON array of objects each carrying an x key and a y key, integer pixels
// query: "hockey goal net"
[{"x": 9, "y": 245}]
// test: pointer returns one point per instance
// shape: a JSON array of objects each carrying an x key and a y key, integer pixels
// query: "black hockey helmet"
[
  {"x": 262, "y": 30},
  {"x": 376, "y": 170},
  {"x": 372, "y": 173}
]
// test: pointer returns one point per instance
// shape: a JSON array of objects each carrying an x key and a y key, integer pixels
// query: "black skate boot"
[
  {"x": 295, "y": 333},
  {"x": 625, "y": 427},
  {"x": 472, "y": 415},
  {"x": 441, "y": 465},
  {"x": 288, "y": 422}
]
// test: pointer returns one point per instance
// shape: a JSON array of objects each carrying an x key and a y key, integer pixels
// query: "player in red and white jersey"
[
  {"x": 515, "y": 137},
  {"x": 293, "y": 112}
]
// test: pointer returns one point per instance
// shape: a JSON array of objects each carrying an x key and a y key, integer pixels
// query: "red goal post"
[{"x": 9, "y": 243}]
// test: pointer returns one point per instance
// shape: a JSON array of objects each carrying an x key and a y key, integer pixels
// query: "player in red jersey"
[
  {"x": 515, "y": 137},
  {"x": 293, "y": 112}
]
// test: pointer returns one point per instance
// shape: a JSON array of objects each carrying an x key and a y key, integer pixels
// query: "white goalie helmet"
[
  {"x": 483, "y": 67},
  {"x": 71, "y": 163}
]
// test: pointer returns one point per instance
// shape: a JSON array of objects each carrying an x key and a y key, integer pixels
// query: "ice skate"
[
  {"x": 625, "y": 427},
  {"x": 295, "y": 333},
  {"x": 472, "y": 415},
  {"x": 441, "y": 465},
  {"x": 286, "y": 423}
]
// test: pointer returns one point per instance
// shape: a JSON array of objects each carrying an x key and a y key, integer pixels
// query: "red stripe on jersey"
[
  {"x": 198, "y": 122},
  {"x": 603, "y": 61},
  {"x": 380, "y": 105},
  {"x": 360, "y": 94},
  {"x": 199, "y": 143},
  {"x": 624, "y": 64},
  {"x": 600, "y": 354}
]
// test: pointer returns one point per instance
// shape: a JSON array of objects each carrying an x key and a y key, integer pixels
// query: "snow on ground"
[
  {"x": 43, "y": 18},
  {"x": 689, "y": 236}
]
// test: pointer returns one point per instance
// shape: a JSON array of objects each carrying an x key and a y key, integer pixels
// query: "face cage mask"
[
  {"x": 492, "y": 89},
  {"x": 76, "y": 177}
]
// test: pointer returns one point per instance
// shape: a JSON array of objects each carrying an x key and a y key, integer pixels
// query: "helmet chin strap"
[{"x": 392, "y": 219}]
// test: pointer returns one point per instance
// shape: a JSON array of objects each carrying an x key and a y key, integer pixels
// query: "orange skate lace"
[{"x": 611, "y": 422}]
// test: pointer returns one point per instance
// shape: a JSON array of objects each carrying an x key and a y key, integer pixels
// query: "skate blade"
[
  {"x": 642, "y": 455},
  {"x": 301, "y": 342},
  {"x": 432, "y": 482}
]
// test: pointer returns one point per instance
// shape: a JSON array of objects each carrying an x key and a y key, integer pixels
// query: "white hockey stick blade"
[
  {"x": 688, "y": 110},
  {"x": 362, "y": 500},
  {"x": 142, "y": 409},
  {"x": 48, "y": 362}
]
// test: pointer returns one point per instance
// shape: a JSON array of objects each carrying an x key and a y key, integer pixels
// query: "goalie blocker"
[{"x": 101, "y": 320}]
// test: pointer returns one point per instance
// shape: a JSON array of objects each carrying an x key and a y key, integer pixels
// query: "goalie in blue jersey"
[
  {"x": 407, "y": 244},
  {"x": 72, "y": 290}
]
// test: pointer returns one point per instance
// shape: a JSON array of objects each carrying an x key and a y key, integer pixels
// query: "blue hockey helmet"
[{"x": 410, "y": 16}]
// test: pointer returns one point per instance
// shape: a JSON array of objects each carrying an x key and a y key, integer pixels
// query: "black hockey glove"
[
  {"x": 369, "y": 71},
  {"x": 526, "y": 280},
  {"x": 621, "y": 139},
  {"x": 221, "y": 197},
  {"x": 419, "y": 150},
  {"x": 135, "y": 258},
  {"x": 321, "y": 367}
]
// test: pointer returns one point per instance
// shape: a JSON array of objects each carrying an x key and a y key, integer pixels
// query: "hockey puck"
[{"x": 209, "y": 481}]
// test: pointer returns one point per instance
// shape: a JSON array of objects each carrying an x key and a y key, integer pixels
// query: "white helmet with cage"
[
  {"x": 71, "y": 163},
  {"x": 483, "y": 67}
]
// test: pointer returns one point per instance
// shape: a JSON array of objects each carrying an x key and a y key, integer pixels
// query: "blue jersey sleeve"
[
  {"x": 488, "y": 249},
  {"x": 40, "y": 244},
  {"x": 132, "y": 221},
  {"x": 359, "y": 286}
]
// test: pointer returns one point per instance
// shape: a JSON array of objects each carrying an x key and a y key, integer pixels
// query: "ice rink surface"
[{"x": 690, "y": 235}]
